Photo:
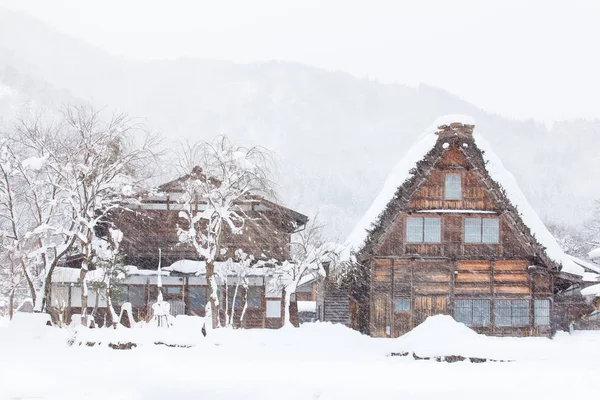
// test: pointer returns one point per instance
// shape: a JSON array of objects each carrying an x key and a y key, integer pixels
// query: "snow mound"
[
  {"x": 441, "y": 335},
  {"x": 594, "y": 253}
]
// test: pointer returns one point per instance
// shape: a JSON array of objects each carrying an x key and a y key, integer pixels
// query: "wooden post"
[
  {"x": 392, "y": 313},
  {"x": 452, "y": 281},
  {"x": 492, "y": 318},
  {"x": 531, "y": 308}
]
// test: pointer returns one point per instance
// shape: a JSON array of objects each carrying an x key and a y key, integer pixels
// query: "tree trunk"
[
  {"x": 245, "y": 300},
  {"x": 289, "y": 290},
  {"x": 29, "y": 283},
  {"x": 84, "y": 295},
  {"x": 212, "y": 287},
  {"x": 11, "y": 305}
]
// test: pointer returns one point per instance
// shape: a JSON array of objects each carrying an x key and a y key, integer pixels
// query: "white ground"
[{"x": 316, "y": 361}]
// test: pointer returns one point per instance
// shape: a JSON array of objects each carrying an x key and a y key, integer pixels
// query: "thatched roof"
[{"x": 411, "y": 172}]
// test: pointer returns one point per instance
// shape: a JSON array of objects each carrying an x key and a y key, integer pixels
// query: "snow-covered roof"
[
  {"x": 591, "y": 267},
  {"x": 187, "y": 267},
  {"x": 496, "y": 170},
  {"x": 594, "y": 254},
  {"x": 593, "y": 290}
]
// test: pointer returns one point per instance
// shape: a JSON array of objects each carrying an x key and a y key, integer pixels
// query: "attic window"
[
  {"x": 453, "y": 190},
  {"x": 423, "y": 230},
  {"x": 482, "y": 230}
]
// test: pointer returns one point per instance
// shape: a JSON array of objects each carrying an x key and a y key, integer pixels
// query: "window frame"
[
  {"x": 547, "y": 309},
  {"x": 269, "y": 309},
  {"x": 513, "y": 317},
  {"x": 480, "y": 234},
  {"x": 406, "y": 308},
  {"x": 258, "y": 292},
  {"x": 446, "y": 181},
  {"x": 408, "y": 235},
  {"x": 203, "y": 289},
  {"x": 484, "y": 320}
]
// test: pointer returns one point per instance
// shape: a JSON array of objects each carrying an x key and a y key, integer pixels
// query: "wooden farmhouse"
[
  {"x": 149, "y": 228},
  {"x": 451, "y": 233}
]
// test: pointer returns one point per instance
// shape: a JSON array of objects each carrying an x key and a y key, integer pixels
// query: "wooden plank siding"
[
  {"x": 432, "y": 276},
  {"x": 432, "y": 286}
]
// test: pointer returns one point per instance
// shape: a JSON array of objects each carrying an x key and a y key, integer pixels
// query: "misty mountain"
[{"x": 335, "y": 136}]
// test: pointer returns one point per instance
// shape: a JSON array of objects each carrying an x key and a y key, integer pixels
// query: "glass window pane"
[
  {"x": 255, "y": 297},
  {"x": 432, "y": 230},
  {"x": 520, "y": 312},
  {"x": 490, "y": 228},
  {"x": 541, "y": 312},
  {"x": 481, "y": 312},
  {"x": 173, "y": 289},
  {"x": 502, "y": 312},
  {"x": 453, "y": 186},
  {"x": 414, "y": 230},
  {"x": 273, "y": 309},
  {"x": 137, "y": 296},
  {"x": 401, "y": 305},
  {"x": 472, "y": 230},
  {"x": 197, "y": 297},
  {"x": 463, "y": 311}
]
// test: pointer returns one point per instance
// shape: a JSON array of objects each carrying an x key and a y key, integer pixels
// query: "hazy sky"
[{"x": 516, "y": 58}]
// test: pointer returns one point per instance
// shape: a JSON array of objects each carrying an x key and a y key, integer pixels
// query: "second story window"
[
  {"x": 423, "y": 230},
  {"x": 482, "y": 230},
  {"x": 453, "y": 188}
]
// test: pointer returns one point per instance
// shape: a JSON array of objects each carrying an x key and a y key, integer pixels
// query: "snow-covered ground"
[{"x": 316, "y": 361}]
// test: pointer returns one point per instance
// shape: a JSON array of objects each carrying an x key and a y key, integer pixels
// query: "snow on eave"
[
  {"x": 593, "y": 290},
  {"x": 585, "y": 264},
  {"x": 507, "y": 181},
  {"x": 594, "y": 254}
]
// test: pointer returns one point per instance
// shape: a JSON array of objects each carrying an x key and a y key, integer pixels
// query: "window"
[
  {"x": 511, "y": 312},
  {"x": 137, "y": 296},
  {"x": 197, "y": 297},
  {"x": 453, "y": 187},
  {"x": 273, "y": 309},
  {"x": 482, "y": 230},
  {"x": 472, "y": 312},
  {"x": 255, "y": 297},
  {"x": 541, "y": 312},
  {"x": 419, "y": 230},
  {"x": 173, "y": 289},
  {"x": 401, "y": 305}
]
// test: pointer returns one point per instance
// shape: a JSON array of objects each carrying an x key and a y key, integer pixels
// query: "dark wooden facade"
[
  {"x": 150, "y": 227},
  {"x": 506, "y": 285}
]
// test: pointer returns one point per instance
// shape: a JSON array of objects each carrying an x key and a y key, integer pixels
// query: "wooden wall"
[
  {"x": 452, "y": 244},
  {"x": 432, "y": 286},
  {"x": 265, "y": 236}
]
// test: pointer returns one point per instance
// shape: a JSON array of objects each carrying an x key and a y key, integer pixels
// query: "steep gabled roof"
[
  {"x": 176, "y": 186},
  {"x": 410, "y": 172}
]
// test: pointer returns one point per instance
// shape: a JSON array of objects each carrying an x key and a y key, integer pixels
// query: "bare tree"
[
  {"x": 71, "y": 175},
  {"x": 310, "y": 252},
  {"x": 220, "y": 177}
]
